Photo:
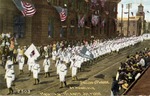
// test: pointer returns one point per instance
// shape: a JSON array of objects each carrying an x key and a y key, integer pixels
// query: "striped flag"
[
  {"x": 95, "y": 20},
  {"x": 27, "y": 9},
  {"x": 103, "y": 23},
  {"x": 62, "y": 12},
  {"x": 85, "y": 53},
  {"x": 81, "y": 21},
  {"x": 63, "y": 16}
]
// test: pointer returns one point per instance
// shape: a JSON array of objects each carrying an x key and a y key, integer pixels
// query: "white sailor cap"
[{"x": 46, "y": 56}]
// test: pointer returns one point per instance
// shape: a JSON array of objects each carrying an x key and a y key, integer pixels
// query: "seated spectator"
[
  {"x": 142, "y": 61},
  {"x": 125, "y": 86},
  {"x": 137, "y": 76}
]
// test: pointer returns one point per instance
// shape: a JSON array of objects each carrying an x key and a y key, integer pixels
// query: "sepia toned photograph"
[{"x": 74, "y": 47}]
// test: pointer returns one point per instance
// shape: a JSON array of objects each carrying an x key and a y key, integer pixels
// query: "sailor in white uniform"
[
  {"x": 30, "y": 63},
  {"x": 21, "y": 63},
  {"x": 74, "y": 68},
  {"x": 9, "y": 76},
  {"x": 8, "y": 62},
  {"x": 9, "y": 65},
  {"x": 36, "y": 71},
  {"x": 54, "y": 54},
  {"x": 79, "y": 61},
  {"x": 57, "y": 65},
  {"x": 62, "y": 74},
  {"x": 46, "y": 65}
]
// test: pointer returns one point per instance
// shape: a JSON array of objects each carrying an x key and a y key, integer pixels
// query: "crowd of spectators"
[
  {"x": 130, "y": 70},
  {"x": 7, "y": 45}
]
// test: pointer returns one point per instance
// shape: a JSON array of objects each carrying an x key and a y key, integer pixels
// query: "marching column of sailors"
[{"x": 63, "y": 56}]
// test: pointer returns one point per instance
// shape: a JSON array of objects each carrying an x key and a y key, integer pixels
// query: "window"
[
  {"x": 80, "y": 6},
  {"x": 63, "y": 32},
  {"x": 73, "y": 4},
  {"x": 51, "y": 27},
  {"x": 134, "y": 24},
  {"x": 72, "y": 29},
  {"x": 19, "y": 26}
]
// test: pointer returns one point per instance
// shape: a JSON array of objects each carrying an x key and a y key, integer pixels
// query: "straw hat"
[{"x": 125, "y": 85}]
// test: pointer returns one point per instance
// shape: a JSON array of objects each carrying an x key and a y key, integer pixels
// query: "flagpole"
[{"x": 128, "y": 6}]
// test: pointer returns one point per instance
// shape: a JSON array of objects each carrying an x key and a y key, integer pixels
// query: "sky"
[{"x": 134, "y": 9}]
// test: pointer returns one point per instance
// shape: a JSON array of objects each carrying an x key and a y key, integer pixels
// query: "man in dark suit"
[{"x": 115, "y": 87}]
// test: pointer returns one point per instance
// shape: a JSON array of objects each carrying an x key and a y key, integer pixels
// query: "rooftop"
[{"x": 134, "y": 18}]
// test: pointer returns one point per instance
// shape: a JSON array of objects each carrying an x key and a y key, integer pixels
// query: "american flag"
[
  {"x": 62, "y": 12},
  {"x": 27, "y": 9},
  {"x": 85, "y": 53},
  {"x": 81, "y": 21},
  {"x": 103, "y": 23},
  {"x": 95, "y": 20},
  {"x": 63, "y": 15}
]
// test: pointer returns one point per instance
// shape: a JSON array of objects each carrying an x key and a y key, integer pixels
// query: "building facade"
[
  {"x": 141, "y": 14},
  {"x": 35, "y": 29},
  {"x": 136, "y": 25},
  {"x": 147, "y": 27}
]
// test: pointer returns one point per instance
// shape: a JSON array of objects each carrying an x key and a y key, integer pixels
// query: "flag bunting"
[
  {"x": 27, "y": 9},
  {"x": 85, "y": 53},
  {"x": 62, "y": 12},
  {"x": 95, "y": 20},
  {"x": 81, "y": 21}
]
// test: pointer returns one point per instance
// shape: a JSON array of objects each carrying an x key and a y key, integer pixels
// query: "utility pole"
[
  {"x": 122, "y": 19},
  {"x": 141, "y": 1},
  {"x": 128, "y": 7}
]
